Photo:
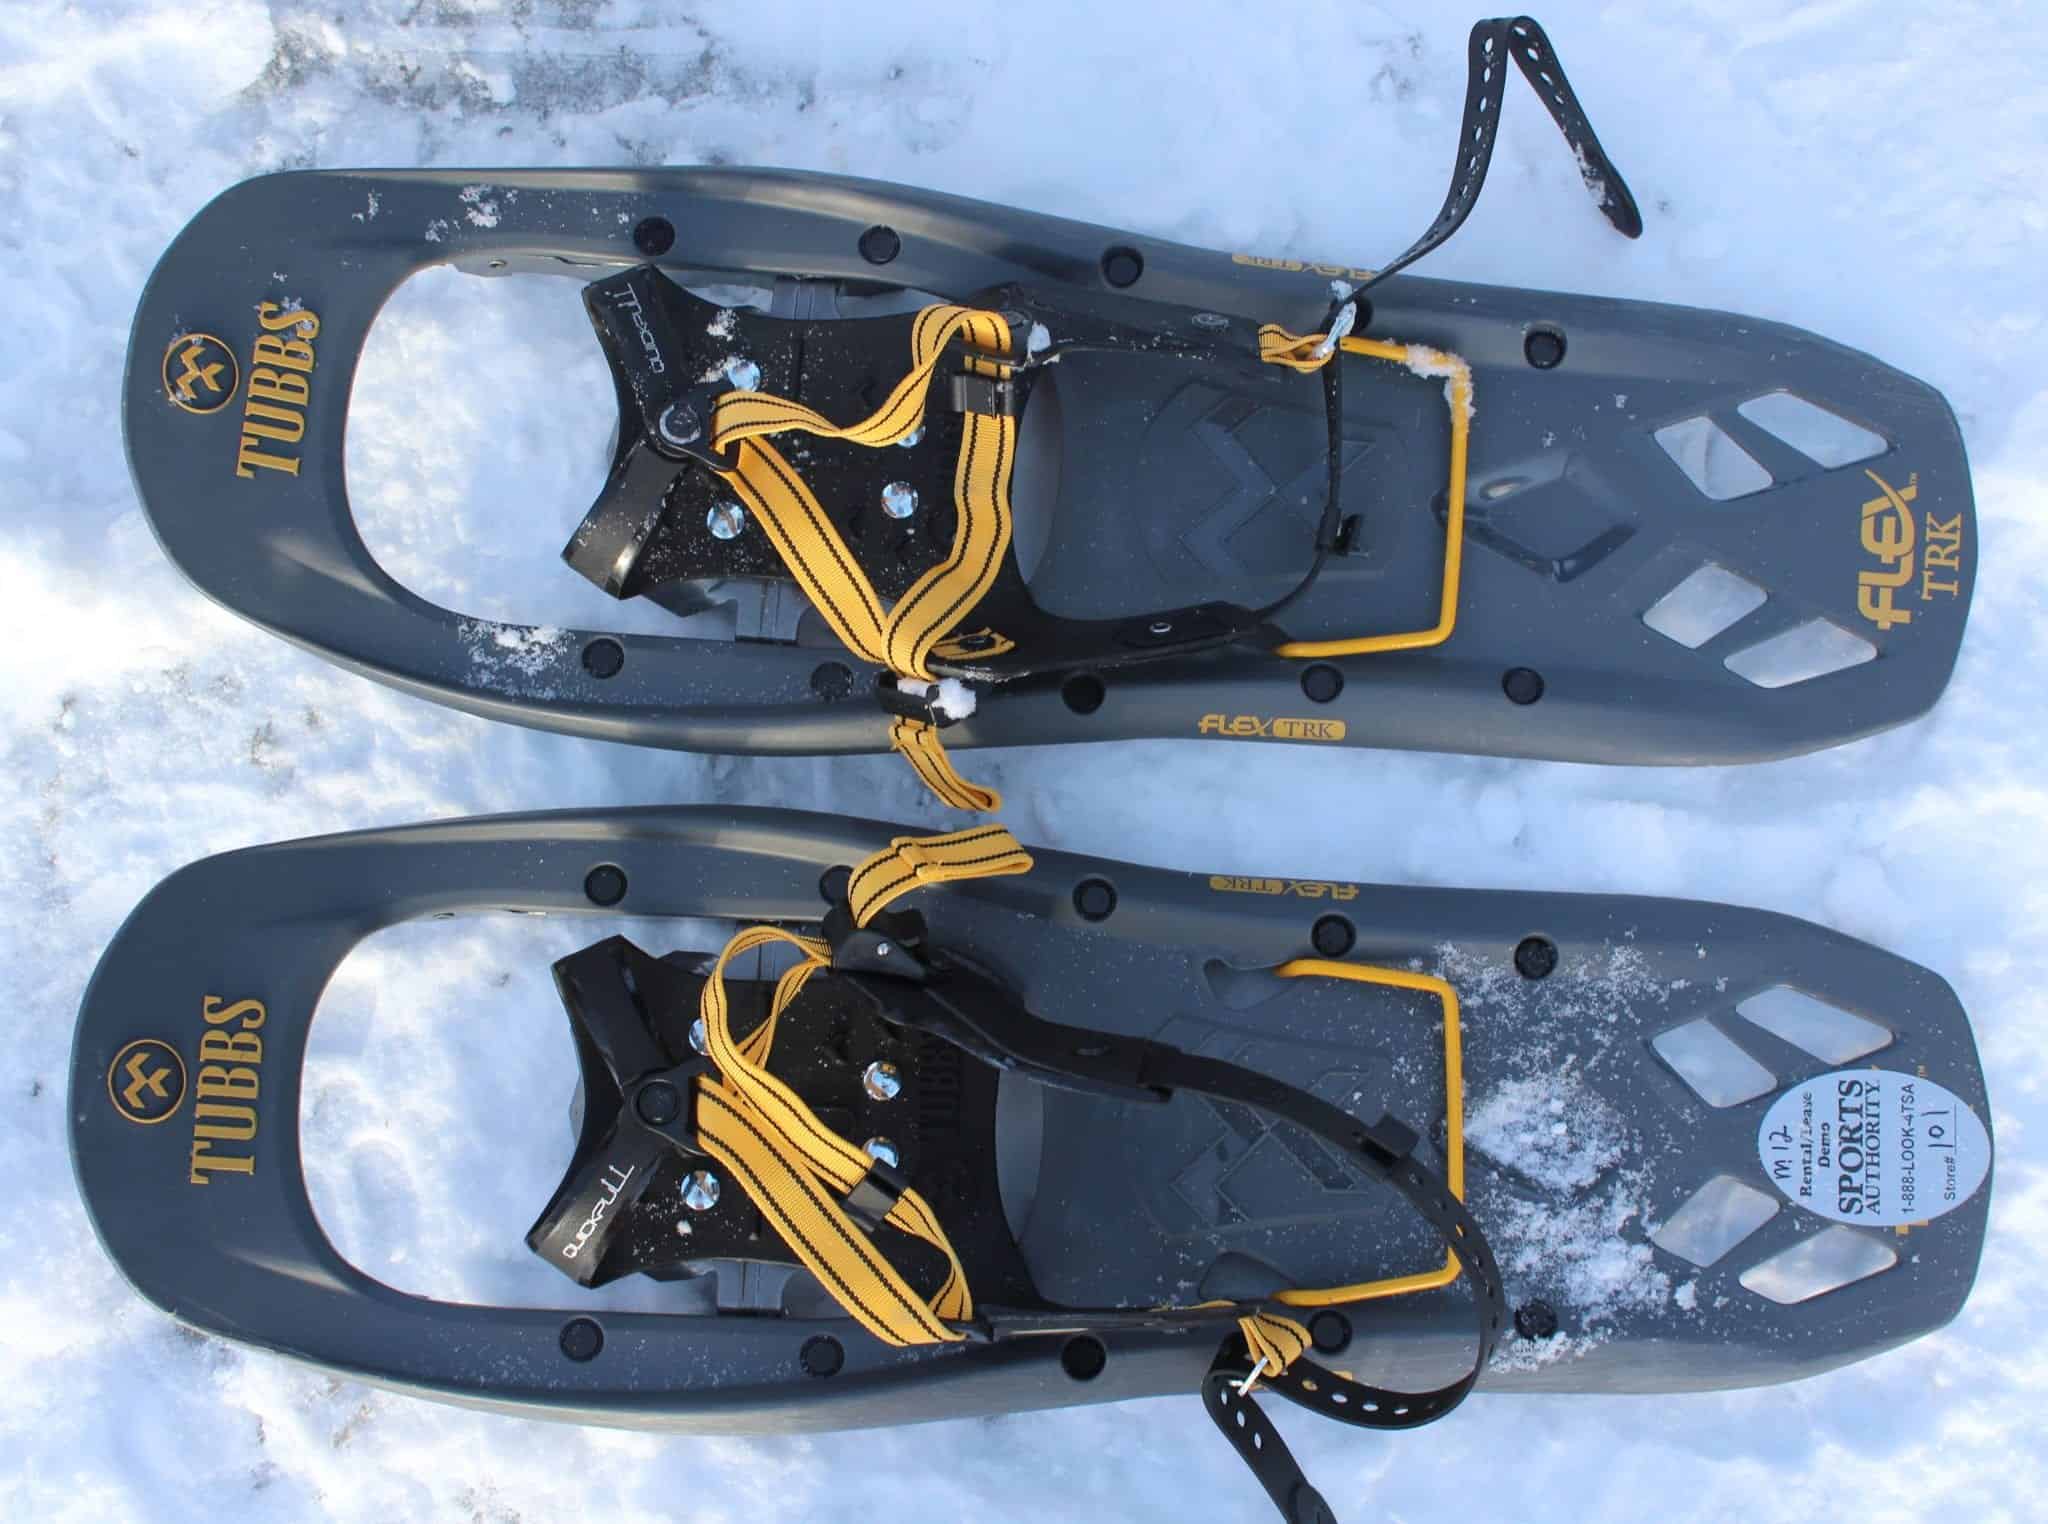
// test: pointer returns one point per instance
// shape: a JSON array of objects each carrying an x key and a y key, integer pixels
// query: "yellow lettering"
[
  {"x": 1874, "y": 602},
  {"x": 230, "y": 1048},
  {"x": 251, "y": 455},
  {"x": 205, "y": 1163},
  {"x": 218, "y": 1082},
  {"x": 288, "y": 387},
  {"x": 272, "y": 317},
  {"x": 287, "y": 425},
  {"x": 230, "y": 1124},
  {"x": 291, "y": 354},
  {"x": 249, "y": 1012}
]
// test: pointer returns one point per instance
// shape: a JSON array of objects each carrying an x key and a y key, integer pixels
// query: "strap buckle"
[
  {"x": 998, "y": 396},
  {"x": 918, "y": 701}
]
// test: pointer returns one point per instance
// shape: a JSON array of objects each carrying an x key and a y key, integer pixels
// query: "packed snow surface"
[{"x": 1870, "y": 173}]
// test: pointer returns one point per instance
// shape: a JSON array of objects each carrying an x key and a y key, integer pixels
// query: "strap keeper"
[
  {"x": 875, "y": 1197},
  {"x": 969, "y": 393},
  {"x": 910, "y": 704},
  {"x": 1388, "y": 1141}
]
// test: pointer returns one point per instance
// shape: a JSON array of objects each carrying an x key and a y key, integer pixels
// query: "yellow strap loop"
[
  {"x": 902, "y": 638},
  {"x": 794, "y": 1167}
]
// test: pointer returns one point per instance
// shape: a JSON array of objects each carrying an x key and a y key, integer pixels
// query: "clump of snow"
[
  {"x": 1548, "y": 1127},
  {"x": 481, "y": 211},
  {"x": 951, "y": 699},
  {"x": 1434, "y": 363},
  {"x": 515, "y": 656},
  {"x": 723, "y": 325}
]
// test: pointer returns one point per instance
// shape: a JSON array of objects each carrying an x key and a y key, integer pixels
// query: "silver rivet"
[
  {"x": 743, "y": 373},
  {"x": 679, "y": 424},
  {"x": 725, "y": 520},
  {"x": 883, "y": 1149},
  {"x": 882, "y": 1080},
  {"x": 899, "y": 500},
  {"x": 1161, "y": 627},
  {"x": 697, "y": 1038},
  {"x": 911, "y": 440},
  {"x": 1210, "y": 320},
  {"x": 883, "y": 949},
  {"x": 700, "y": 1190}
]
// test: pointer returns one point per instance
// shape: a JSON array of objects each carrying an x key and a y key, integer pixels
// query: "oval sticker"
[{"x": 1874, "y": 1146}]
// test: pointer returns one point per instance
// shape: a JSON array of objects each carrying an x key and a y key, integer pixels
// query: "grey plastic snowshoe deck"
[
  {"x": 1581, "y": 1140},
  {"x": 1172, "y": 486}
]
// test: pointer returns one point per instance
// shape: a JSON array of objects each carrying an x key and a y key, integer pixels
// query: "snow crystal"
[
  {"x": 482, "y": 212},
  {"x": 514, "y": 656},
  {"x": 721, "y": 326}
]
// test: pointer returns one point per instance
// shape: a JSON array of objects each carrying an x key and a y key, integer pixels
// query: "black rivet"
[
  {"x": 1083, "y": 693},
  {"x": 832, "y": 680},
  {"x": 1330, "y": 1332},
  {"x": 581, "y": 1339},
  {"x": 1083, "y": 1357},
  {"x": 1122, "y": 266},
  {"x": 1332, "y": 936},
  {"x": 821, "y": 1356},
  {"x": 1544, "y": 348},
  {"x": 1536, "y": 1320},
  {"x": 1321, "y": 683},
  {"x": 655, "y": 236},
  {"x": 658, "y": 1103},
  {"x": 603, "y": 658},
  {"x": 879, "y": 245},
  {"x": 1522, "y": 685},
  {"x": 1094, "y": 898},
  {"x": 833, "y": 884},
  {"x": 1535, "y": 957},
  {"x": 604, "y": 885}
]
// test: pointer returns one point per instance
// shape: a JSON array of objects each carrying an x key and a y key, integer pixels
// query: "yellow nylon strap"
[
  {"x": 904, "y": 637},
  {"x": 920, "y": 744},
  {"x": 1294, "y": 350},
  {"x": 914, "y": 861},
  {"x": 1274, "y": 1340},
  {"x": 794, "y": 1167}
]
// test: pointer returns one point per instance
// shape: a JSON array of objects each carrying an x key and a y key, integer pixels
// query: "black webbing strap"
[
  {"x": 932, "y": 994},
  {"x": 1491, "y": 43}
]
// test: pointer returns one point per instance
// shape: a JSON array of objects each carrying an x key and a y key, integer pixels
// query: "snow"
[{"x": 1879, "y": 184}]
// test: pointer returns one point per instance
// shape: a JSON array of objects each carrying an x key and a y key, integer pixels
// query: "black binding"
[
  {"x": 646, "y": 326},
  {"x": 927, "y": 992}
]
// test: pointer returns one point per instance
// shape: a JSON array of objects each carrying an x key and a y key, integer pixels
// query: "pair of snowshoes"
[{"x": 966, "y": 476}]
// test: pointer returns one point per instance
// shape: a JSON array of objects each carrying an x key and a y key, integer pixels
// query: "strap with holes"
[{"x": 1491, "y": 44}]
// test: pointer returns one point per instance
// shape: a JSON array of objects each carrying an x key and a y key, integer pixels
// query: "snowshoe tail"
[{"x": 1708, "y": 1147}]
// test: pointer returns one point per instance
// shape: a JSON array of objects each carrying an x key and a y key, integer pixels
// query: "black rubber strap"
[
  {"x": 1258, "y": 1443},
  {"x": 1485, "y": 86},
  {"x": 966, "y": 1007}
]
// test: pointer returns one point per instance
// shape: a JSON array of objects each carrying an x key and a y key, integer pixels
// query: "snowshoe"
[
  {"x": 960, "y": 467},
  {"x": 949, "y": 1128}
]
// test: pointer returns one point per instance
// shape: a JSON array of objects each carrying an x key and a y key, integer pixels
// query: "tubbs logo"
[
  {"x": 280, "y": 387},
  {"x": 1904, "y": 546},
  {"x": 146, "y": 1081},
  {"x": 199, "y": 373}
]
